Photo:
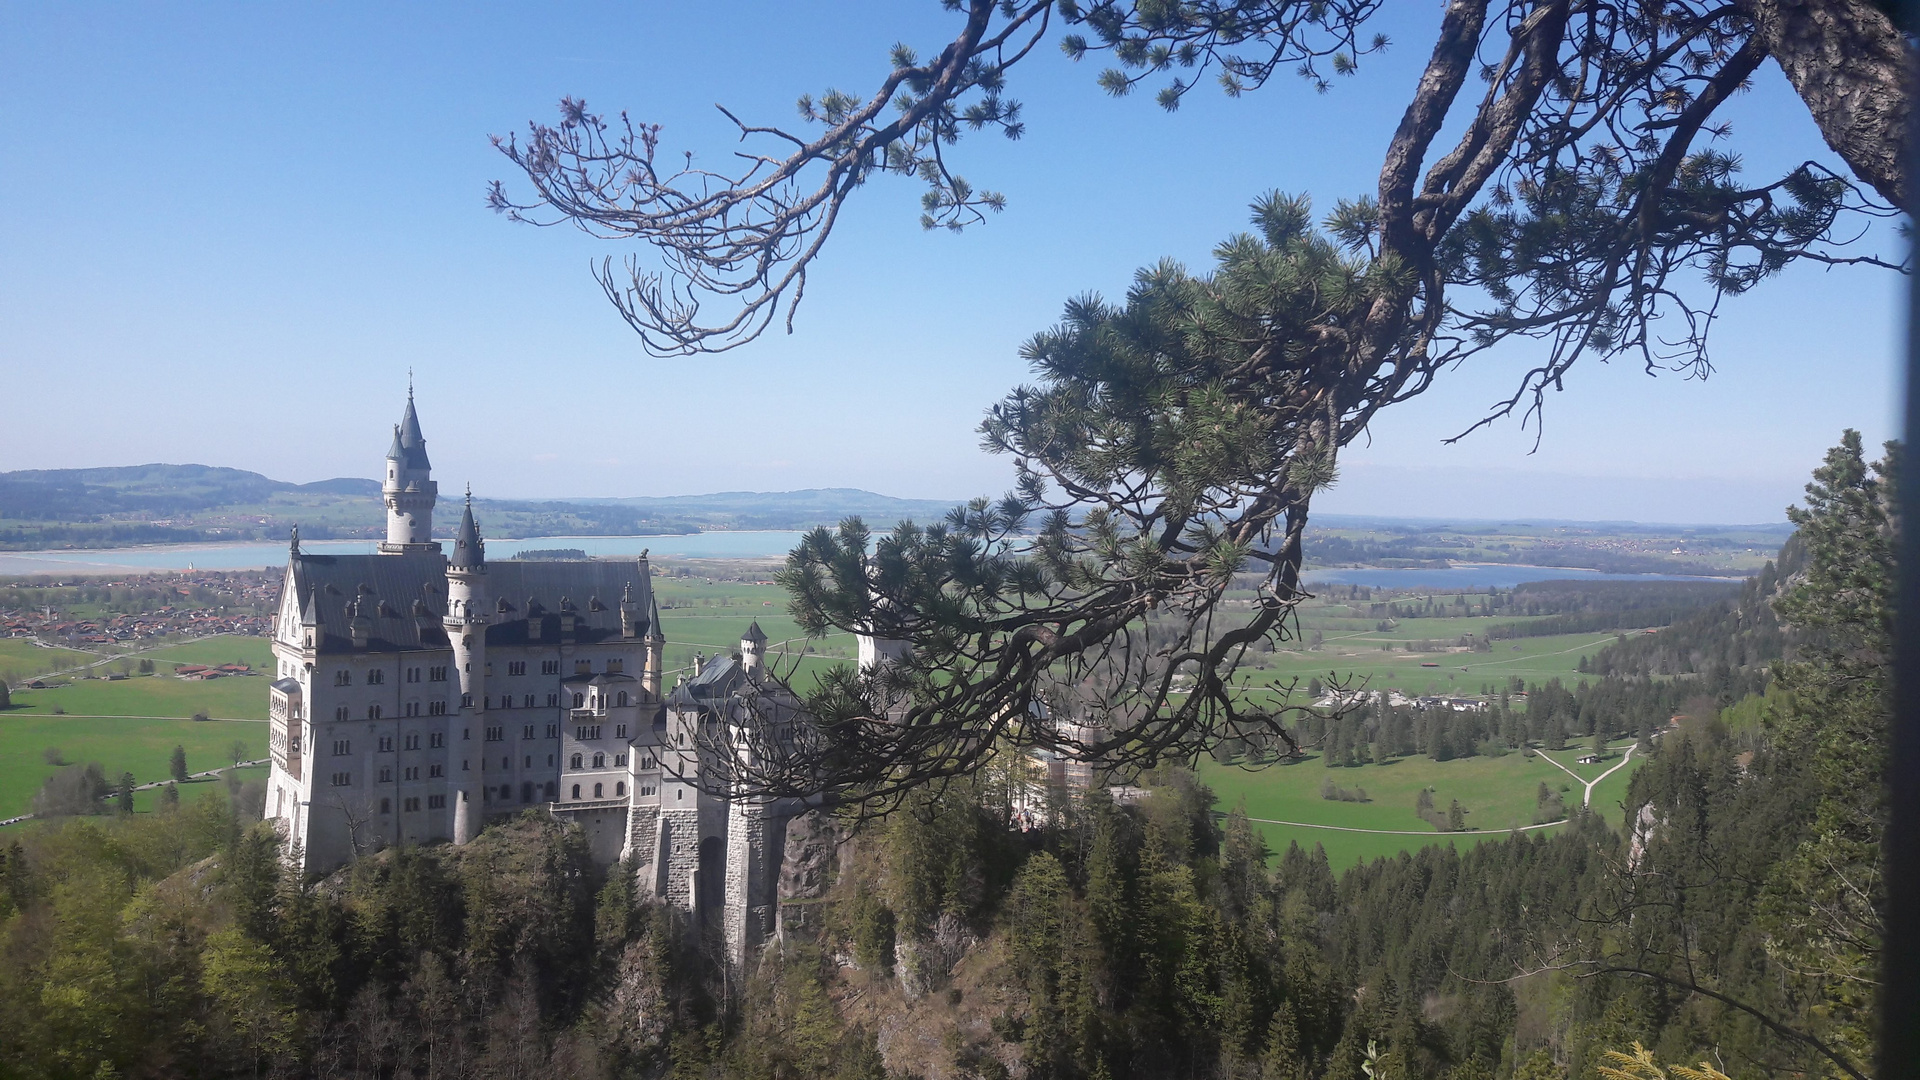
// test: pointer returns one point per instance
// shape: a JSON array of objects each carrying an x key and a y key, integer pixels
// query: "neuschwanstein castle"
[{"x": 422, "y": 692}]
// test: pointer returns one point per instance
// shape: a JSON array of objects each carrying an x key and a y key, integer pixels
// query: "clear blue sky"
[{"x": 229, "y": 230}]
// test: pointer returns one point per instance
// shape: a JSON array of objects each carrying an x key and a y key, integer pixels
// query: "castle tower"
[
  {"x": 466, "y": 626},
  {"x": 753, "y": 651},
  {"x": 408, "y": 488},
  {"x": 656, "y": 648}
]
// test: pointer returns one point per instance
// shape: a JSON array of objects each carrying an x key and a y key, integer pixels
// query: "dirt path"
[
  {"x": 1406, "y": 832},
  {"x": 1587, "y": 797}
]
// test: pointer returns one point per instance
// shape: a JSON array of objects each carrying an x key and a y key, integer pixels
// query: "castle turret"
[
  {"x": 408, "y": 488},
  {"x": 468, "y": 610},
  {"x": 656, "y": 648},
  {"x": 753, "y": 650}
]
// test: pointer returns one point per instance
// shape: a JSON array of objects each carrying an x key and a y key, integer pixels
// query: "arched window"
[
  {"x": 597, "y": 790},
  {"x": 599, "y": 761},
  {"x": 574, "y": 762},
  {"x": 620, "y": 789},
  {"x": 526, "y": 792},
  {"x": 623, "y": 698},
  {"x": 579, "y": 700},
  {"x": 576, "y": 791}
]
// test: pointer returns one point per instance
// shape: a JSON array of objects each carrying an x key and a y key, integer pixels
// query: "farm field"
[
  {"x": 119, "y": 744},
  {"x": 226, "y": 649},
  {"x": 237, "y": 698},
  {"x": 21, "y": 660},
  {"x": 1535, "y": 659},
  {"x": 1498, "y": 793}
]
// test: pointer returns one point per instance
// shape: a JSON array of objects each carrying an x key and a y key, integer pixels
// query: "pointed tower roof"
[
  {"x": 754, "y": 634},
  {"x": 411, "y": 446},
  {"x": 310, "y": 615},
  {"x": 468, "y": 550}
]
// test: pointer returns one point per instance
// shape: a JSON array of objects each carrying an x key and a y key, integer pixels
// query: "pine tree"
[
  {"x": 123, "y": 795},
  {"x": 177, "y": 765}
]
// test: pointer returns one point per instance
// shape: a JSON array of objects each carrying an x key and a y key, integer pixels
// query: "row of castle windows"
[
  {"x": 599, "y": 761},
  {"x": 378, "y": 676},
  {"x": 619, "y": 790}
]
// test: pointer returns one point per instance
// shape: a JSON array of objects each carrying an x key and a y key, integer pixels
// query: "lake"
[
  {"x": 1479, "y": 576},
  {"x": 718, "y": 545},
  {"x": 710, "y": 545}
]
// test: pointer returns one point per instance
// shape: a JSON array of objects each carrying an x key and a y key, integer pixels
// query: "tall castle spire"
[{"x": 408, "y": 487}]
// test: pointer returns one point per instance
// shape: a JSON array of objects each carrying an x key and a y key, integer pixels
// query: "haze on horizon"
[{"x": 299, "y": 219}]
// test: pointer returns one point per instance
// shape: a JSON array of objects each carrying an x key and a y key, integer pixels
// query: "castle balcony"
[{"x": 587, "y": 804}]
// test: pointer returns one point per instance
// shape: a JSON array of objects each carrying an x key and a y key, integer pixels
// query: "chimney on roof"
[{"x": 359, "y": 626}]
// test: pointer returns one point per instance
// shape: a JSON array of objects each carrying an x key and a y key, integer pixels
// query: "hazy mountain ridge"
[{"x": 164, "y": 503}]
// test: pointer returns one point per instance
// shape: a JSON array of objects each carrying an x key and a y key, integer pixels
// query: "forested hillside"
[{"x": 1727, "y": 914}]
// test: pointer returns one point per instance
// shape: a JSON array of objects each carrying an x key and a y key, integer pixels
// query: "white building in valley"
[{"x": 420, "y": 693}]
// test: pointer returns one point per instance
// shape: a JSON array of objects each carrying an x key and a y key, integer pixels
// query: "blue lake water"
[
  {"x": 715, "y": 545},
  {"x": 711, "y": 545},
  {"x": 1479, "y": 576}
]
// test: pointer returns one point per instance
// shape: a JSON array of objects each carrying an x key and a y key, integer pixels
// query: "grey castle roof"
[
  {"x": 755, "y": 634},
  {"x": 410, "y": 594},
  {"x": 409, "y": 446},
  {"x": 468, "y": 551}
]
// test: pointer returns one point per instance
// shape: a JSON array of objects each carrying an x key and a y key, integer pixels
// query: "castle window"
[
  {"x": 506, "y": 792},
  {"x": 496, "y": 734},
  {"x": 620, "y": 761},
  {"x": 410, "y": 742},
  {"x": 373, "y": 712},
  {"x": 599, "y": 761},
  {"x": 549, "y": 789},
  {"x": 436, "y": 708},
  {"x": 411, "y": 805},
  {"x": 526, "y": 792},
  {"x": 340, "y": 712},
  {"x": 646, "y": 789},
  {"x": 489, "y": 669},
  {"x": 620, "y": 789},
  {"x": 386, "y": 744},
  {"x": 574, "y": 762},
  {"x": 386, "y": 806},
  {"x": 435, "y": 770},
  {"x": 411, "y": 773},
  {"x": 517, "y": 667},
  {"x": 412, "y": 709},
  {"x": 413, "y": 674},
  {"x": 579, "y": 700},
  {"x": 526, "y": 731},
  {"x": 341, "y": 779},
  {"x": 549, "y": 667},
  {"x": 598, "y": 790},
  {"x": 436, "y": 802},
  {"x": 466, "y": 701},
  {"x": 620, "y": 731},
  {"x": 386, "y": 775},
  {"x": 437, "y": 740},
  {"x": 437, "y": 674},
  {"x": 343, "y": 678},
  {"x": 623, "y": 698},
  {"x": 376, "y": 678},
  {"x": 576, "y": 791},
  {"x": 526, "y": 701},
  {"x": 342, "y": 747},
  {"x": 506, "y": 763},
  {"x": 552, "y": 700},
  {"x": 553, "y": 731}
]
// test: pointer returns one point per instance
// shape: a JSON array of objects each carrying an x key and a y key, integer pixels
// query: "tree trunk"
[{"x": 1849, "y": 64}]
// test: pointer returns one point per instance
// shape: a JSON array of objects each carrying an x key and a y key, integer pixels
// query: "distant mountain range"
[{"x": 45, "y": 508}]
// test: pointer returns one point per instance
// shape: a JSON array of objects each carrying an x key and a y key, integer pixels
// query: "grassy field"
[
  {"x": 21, "y": 660},
  {"x": 120, "y": 745},
  {"x": 237, "y": 698},
  {"x": 1498, "y": 793}
]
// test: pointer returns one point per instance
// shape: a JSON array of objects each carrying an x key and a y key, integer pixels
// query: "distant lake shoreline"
[{"x": 723, "y": 544}]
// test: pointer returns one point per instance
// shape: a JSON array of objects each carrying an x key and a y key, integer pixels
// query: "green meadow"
[
  {"x": 119, "y": 744},
  {"x": 1499, "y": 793}
]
